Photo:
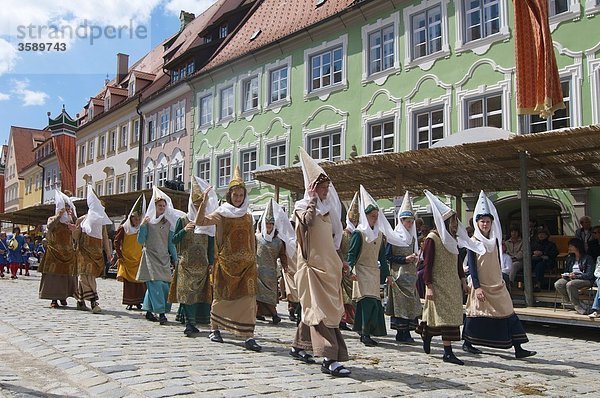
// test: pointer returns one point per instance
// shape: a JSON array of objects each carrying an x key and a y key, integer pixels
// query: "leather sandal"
[
  {"x": 54, "y": 304},
  {"x": 304, "y": 357}
]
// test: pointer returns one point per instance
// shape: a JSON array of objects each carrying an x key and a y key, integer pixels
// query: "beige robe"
[
  {"x": 290, "y": 282},
  {"x": 319, "y": 275},
  {"x": 498, "y": 303}
]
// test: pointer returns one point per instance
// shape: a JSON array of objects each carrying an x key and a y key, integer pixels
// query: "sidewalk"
[{"x": 68, "y": 353}]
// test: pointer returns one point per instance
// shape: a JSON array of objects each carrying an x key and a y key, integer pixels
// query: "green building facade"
[{"x": 381, "y": 76}]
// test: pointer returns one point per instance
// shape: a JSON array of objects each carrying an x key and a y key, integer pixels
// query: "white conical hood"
[
  {"x": 171, "y": 213},
  {"x": 353, "y": 214},
  {"x": 198, "y": 187},
  {"x": 96, "y": 216},
  {"x": 408, "y": 237},
  {"x": 486, "y": 207},
  {"x": 60, "y": 200},
  {"x": 139, "y": 208},
  {"x": 382, "y": 224}
]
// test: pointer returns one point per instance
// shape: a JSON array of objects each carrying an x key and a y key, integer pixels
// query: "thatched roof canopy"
[
  {"x": 567, "y": 158},
  {"x": 116, "y": 205}
]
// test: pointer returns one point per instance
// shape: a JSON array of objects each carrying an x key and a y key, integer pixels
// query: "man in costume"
[
  {"x": 443, "y": 277},
  {"x": 3, "y": 254},
  {"x": 234, "y": 273},
  {"x": 367, "y": 246},
  {"x": 269, "y": 248},
  {"x": 158, "y": 254},
  {"x": 16, "y": 241},
  {"x": 91, "y": 239},
  {"x": 129, "y": 254},
  {"x": 404, "y": 305},
  {"x": 196, "y": 248},
  {"x": 491, "y": 320},
  {"x": 319, "y": 275},
  {"x": 59, "y": 263}
]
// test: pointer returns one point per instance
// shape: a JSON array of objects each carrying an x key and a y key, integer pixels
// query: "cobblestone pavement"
[{"x": 63, "y": 352}]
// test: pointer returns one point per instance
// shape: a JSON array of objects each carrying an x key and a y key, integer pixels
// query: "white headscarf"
[
  {"x": 407, "y": 237},
  {"x": 331, "y": 204},
  {"x": 450, "y": 243},
  {"x": 96, "y": 216},
  {"x": 486, "y": 206},
  {"x": 60, "y": 199},
  {"x": 171, "y": 213},
  {"x": 263, "y": 223},
  {"x": 211, "y": 205},
  {"x": 349, "y": 224},
  {"x": 130, "y": 229},
  {"x": 284, "y": 229},
  {"x": 381, "y": 224}
]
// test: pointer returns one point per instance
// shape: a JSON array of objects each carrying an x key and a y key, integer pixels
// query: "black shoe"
[
  {"x": 162, "y": 319},
  {"x": 451, "y": 358},
  {"x": 340, "y": 371},
  {"x": 252, "y": 345},
  {"x": 276, "y": 319},
  {"x": 306, "y": 357},
  {"x": 138, "y": 306},
  {"x": 64, "y": 303},
  {"x": 190, "y": 330},
  {"x": 427, "y": 345},
  {"x": 468, "y": 347},
  {"x": 368, "y": 341},
  {"x": 344, "y": 326},
  {"x": 524, "y": 354},
  {"x": 215, "y": 336},
  {"x": 150, "y": 316},
  {"x": 81, "y": 306},
  {"x": 261, "y": 318},
  {"x": 129, "y": 307},
  {"x": 293, "y": 317},
  {"x": 404, "y": 337}
]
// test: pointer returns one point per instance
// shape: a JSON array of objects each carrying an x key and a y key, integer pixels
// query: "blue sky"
[{"x": 33, "y": 83}]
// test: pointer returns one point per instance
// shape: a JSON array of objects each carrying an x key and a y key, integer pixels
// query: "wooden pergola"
[
  {"x": 116, "y": 205},
  {"x": 566, "y": 158}
]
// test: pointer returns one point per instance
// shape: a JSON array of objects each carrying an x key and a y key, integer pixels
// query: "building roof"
[
  {"x": 62, "y": 118},
  {"x": 567, "y": 158},
  {"x": 24, "y": 141},
  {"x": 118, "y": 91},
  {"x": 275, "y": 20}
]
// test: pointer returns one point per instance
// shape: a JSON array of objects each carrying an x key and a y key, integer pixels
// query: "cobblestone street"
[{"x": 64, "y": 352}]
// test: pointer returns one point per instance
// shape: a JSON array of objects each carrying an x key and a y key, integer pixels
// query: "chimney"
[
  {"x": 122, "y": 66},
  {"x": 185, "y": 18}
]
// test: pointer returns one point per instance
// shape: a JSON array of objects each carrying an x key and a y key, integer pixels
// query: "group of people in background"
[
  {"x": 18, "y": 251},
  {"x": 226, "y": 273}
]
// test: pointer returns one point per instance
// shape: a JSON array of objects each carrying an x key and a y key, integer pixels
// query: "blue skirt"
[
  {"x": 494, "y": 332},
  {"x": 155, "y": 299}
]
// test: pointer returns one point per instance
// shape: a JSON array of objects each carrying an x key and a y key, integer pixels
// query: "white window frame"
[
  {"x": 425, "y": 62},
  {"x": 131, "y": 86},
  {"x": 223, "y": 180},
  {"x": 112, "y": 141},
  {"x": 110, "y": 186},
  {"x": 210, "y": 107},
  {"x": 329, "y": 133},
  {"x": 256, "y": 74},
  {"x": 205, "y": 172},
  {"x": 592, "y": 7},
  {"x": 179, "y": 116},
  {"x": 162, "y": 175},
  {"x": 82, "y": 156},
  {"x": 148, "y": 179},
  {"x": 573, "y": 12},
  {"x": 247, "y": 172},
  {"x": 133, "y": 181},
  {"x": 369, "y": 139},
  {"x": 415, "y": 127},
  {"x": 135, "y": 131},
  {"x": 99, "y": 188},
  {"x": 225, "y": 120},
  {"x": 121, "y": 184},
  {"x": 91, "y": 149},
  {"x": 150, "y": 134},
  {"x": 482, "y": 45},
  {"x": 165, "y": 122},
  {"x": 101, "y": 145},
  {"x": 413, "y": 108},
  {"x": 123, "y": 133},
  {"x": 276, "y": 144},
  {"x": 107, "y": 101},
  {"x": 269, "y": 69},
  {"x": 380, "y": 77},
  {"x": 323, "y": 93},
  {"x": 593, "y": 67},
  {"x": 485, "y": 114}
]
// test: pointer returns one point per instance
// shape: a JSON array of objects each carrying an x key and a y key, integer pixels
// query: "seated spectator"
[
  {"x": 596, "y": 305},
  {"x": 506, "y": 265},
  {"x": 594, "y": 243},
  {"x": 514, "y": 248},
  {"x": 543, "y": 257},
  {"x": 585, "y": 232},
  {"x": 579, "y": 274}
]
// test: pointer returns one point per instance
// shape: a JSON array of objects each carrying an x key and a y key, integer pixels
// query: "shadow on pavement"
[{"x": 24, "y": 391}]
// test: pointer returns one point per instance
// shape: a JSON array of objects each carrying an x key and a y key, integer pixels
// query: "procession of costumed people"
[{"x": 226, "y": 271}]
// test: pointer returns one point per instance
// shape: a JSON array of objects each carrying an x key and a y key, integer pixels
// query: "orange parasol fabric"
[
  {"x": 538, "y": 83},
  {"x": 64, "y": 145}
]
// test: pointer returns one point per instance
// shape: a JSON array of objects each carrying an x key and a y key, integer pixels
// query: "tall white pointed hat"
[
  {"x": 312, "y": 172},
  {"x": 195, "y": 201},
  {"x": 353, "y": 214},
  {"x": 367, "y": 205},
  {"x": 406, "y": 210},
  {"x": 485, "y": 207},
  {"x": 96, "y": 216},
  {"x": 139, "y": 209}
]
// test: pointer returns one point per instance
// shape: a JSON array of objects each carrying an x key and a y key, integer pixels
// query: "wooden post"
[
  {"x": 459, "y": 206},
  {"x": 277, "y": 193},
  {"x": 525, "y": 230}
]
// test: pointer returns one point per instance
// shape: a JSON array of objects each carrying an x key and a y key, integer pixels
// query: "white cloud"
[
  {"x": 29, "y": 97},
  {"x": 195, "y": 6},
  {"x": 8, "y": 56},
  {"x": 4, "y": 97}
]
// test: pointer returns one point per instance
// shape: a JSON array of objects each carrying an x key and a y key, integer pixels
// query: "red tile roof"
[
  {"x": 24, "y": 141},
  {"x": 118, "y": 91},
  {"x": 275, "y": 19},
  {"x": 143, "y": 75}
]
